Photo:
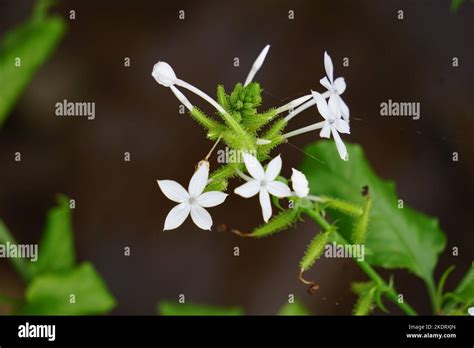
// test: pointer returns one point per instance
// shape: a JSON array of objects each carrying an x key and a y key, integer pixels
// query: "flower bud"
[
  {"x": 163, "y": 74},
  {"x": 300, "y": 183}
]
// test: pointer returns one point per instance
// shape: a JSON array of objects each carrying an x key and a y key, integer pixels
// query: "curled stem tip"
[{"x": 312, "y": 286}]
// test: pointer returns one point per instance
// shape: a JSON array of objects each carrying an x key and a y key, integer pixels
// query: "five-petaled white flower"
[
  {"x": 333, "y": 123},
  {"x": 299, "y": 183},
  {"x": 191, "y": 201},
  {"x": 335, "y": 87},
  {"x": 263, "y": 182}
]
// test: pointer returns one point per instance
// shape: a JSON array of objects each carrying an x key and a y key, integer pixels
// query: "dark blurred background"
[{"x": 119, "y": 204}]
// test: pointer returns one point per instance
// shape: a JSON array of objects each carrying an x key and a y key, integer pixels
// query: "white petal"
[
  {"x": 198, "y": 182},
  {"x": 299, "y": 183},
  {"x": 334, "y": 106},
  {"x": 176, "y": 216},
  {"x": 471, "y": 311},
  {"x": 253, "y": 166},
  {"x": 322, "y": 105},
  {"x": 325, "y": 82},
  {"x": 326, "y": 130},
  {"x": 328, "y": 66},
  {"x": 344, "y": 109},
  {"x": 340, "y": 85},
  {"x": 164, "y": 74},
  {"x": 341, "y": 148},
  {"x": 201, "y": 217},
  {"x": 278, "y": 189},
  {"x": 173, "y": 190},
  {"x": 249, "y": 189},
  {"x": 342, "y": 126},
  {"x": 257, "y": 65},
  {"x": 273, "y": 169},
  {"x": 211, "y": 199},
  {"x": 266, "y": 204}
]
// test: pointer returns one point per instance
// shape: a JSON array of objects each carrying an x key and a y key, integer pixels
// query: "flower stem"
[
  {"x": 200, "y": 93},
  {"x": 306, "y": 129},
  {"x": 213, "y": 148},
  {"x": 371, "y": 273}
]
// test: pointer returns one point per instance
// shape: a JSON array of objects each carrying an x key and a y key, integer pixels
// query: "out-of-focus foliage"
[
  {"x": 55, "y": 285},
  {"x": 22, "y": 52},
  {"x": 189, "y": 309}
]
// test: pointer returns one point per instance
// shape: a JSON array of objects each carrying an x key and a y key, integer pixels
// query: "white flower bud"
[
  {"x": 300, "y": 183},
  {"x": 164, "y": 74}
]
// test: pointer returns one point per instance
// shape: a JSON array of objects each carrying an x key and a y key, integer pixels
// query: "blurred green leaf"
[
  {"x": 366, "y": 297},
  {"x": 295, "y": 308},
  {"x": 33, "y": 42},
  {"x": 462, "y": 297},
  {"x": 22, "y": 266},
  {"x": 397, "y": 238},
  {"x": 50, "y": 294},
  {"x": 465, "y": 289},
  {"x": 56, "y": 248},
  {"x": 175, "y": 308},
  {"x": 455, "y": 4}
]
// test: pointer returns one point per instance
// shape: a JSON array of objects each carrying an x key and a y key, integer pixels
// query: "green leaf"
[
  {"x": 222, "y": 98},
  {"x": 257, "y": 121},
  {"x": 359, "y": 233},
  {"x": 365, "y": 301},
  {"x": 33, "y": 42},
  {"x": 219, "y": 178},
  {"x": 22, "y": 266},
  {"x": 295, "y": 308},
  {"x": 315, "y": 249},
  {"x": 465, "y": 289},
  {"x": 397, "y": 238},
  {"x": 276, "y": 224},
  {"x": 462, "y": 297},
  {"x": 455, "y": 5},
  {"x": 342, "y": 206},
  {"x": 56, "y": 248},
  {"x": 175, "y": 308},
  {"x": 50, "y": 294},
  {"x": 214, "y": 128}
]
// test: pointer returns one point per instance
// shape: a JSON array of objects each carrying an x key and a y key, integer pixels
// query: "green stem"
[
  {"x": 433, "y": 297},
  {"x": 371, "y": 273}
]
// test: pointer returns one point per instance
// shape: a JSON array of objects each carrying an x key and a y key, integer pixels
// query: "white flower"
[
  {"x": 333, "y": 123},
  {"x": 257, "y": 65},
  {"x": 299, "y": 183},
  {"x": 263, "y": 182},
  {"x": 335, "y": 87},
  {"x": 191, "y": 201},
  {"x": 471, "y": 310},
  {"x": 164, "y": 74}
]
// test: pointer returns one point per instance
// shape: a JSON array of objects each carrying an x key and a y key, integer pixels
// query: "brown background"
[{"x": 119, "y": 204}]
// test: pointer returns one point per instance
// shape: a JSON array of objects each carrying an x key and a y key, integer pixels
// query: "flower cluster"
[{"x": 241, "y": 131}]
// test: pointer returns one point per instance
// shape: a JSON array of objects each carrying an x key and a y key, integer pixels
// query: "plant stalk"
[{"x": 371, "y": 273}]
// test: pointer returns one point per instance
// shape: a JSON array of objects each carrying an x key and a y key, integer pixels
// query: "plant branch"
[{"x": 391, "y": 294}]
